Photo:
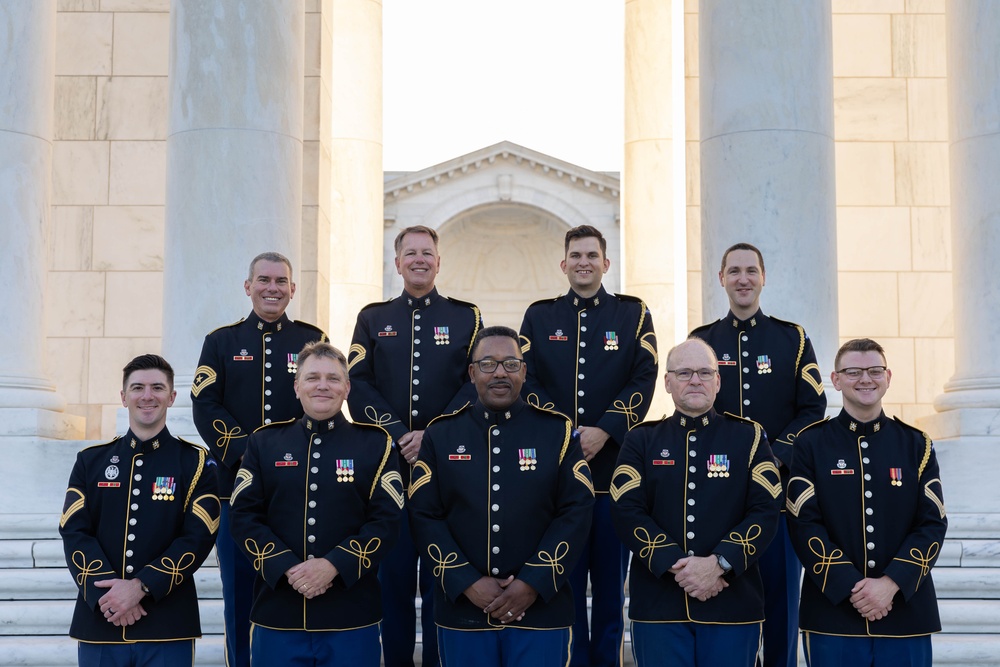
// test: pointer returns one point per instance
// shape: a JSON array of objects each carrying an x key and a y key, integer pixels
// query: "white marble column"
[
  {"x": 28, "y": 400},
  {"x": 968, "y": 421},
  {"x": 234, "y": 161},
  {"x": 352, "y": 114},
  {"x": 767, "y": 156},
  {"x": 649, "y": 254}
]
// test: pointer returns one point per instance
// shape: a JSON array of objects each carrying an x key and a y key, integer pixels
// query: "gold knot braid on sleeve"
[
  {"x": 822, "y": 566},
  {"x": 746, "y": 541},
  {"x": 634, "y": 401},
  {"x": 651, "y": 544},
  {"x": 442, "y": 563},
  {"x": 86, "y": 570},
  {"x": 260, "y": 555},
  {"x": 553, "y": 561},
  {"x": 175, "y": 570}
]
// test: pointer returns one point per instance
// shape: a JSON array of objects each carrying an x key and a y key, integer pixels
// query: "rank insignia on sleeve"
[
  {"x": 718, "y": 465},
  {"x": 293, "y": 363},
  {"x": 842, "y": 468},
  {"x": 386, "y": 332},
  {"x": 527, "y": 458},
  {"x": 558, "y": 335},
  {"x": 108, "y": 485},
  {"x": 896, "y": 475},
  {"x": 441, "y": 336},
  {"x": 345, "y": 470},
  {"x": 610, "y": 340},
  {"x": 163, "y": 488},
  {"x": 763, "y": 364},
  {"x": 726, "y": 361},
  {"x": 286, "y": 462}
]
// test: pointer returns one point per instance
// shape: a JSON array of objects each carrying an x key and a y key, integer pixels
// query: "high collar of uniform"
[
  {"x": 701, "y": 421},
  {"x": 415, "y": 302},
  {"x": 323, "y": 425},
  {"x": 754, "y": 320},
  {"x": 862, "y": 428},
  {"x": 146, "y": 446},
  {"x": 580, "y": 303},
  {"x": 491, "y": 417},
  {"x": 263, "y": 325}
]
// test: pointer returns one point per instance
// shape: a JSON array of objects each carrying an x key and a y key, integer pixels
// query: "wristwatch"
[
  {"x": 724, "y": 564},
  {"x": 145, "y": 588}
]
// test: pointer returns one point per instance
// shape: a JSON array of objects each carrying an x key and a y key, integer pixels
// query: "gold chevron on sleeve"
[
  {"x": 648, "y": 343},
  {"x": 72, "y": 506},
  {"x": 580, "y": 471},
  {"x": 632, "y": 480},
  {"x": 419, "y": 475},
  {"x": 388, "y": 480},
  {"x": 244, "y": 478},
  {"x": 760, "y": 475},
  {"x": 935, "y": 498},
  {"x": 205, "y": 513},
  {"x": 525, "y": 344},
  {"x": 807, "y": 493},
  {"x": 203, "y": 377},
  {"x": 815, "y": 382},
  {"x": 359, "y": 353}
]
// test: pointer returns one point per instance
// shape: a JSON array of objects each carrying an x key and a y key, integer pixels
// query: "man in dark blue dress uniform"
[
  {"x": 592, "y": 356},
  {"x": 696, "y": 497},
  {"x": 770, "y": 375},
  {"x": 866, "y": 514},
  {"x": 244, "y": 380},
  {"x": 315, "y": 508},
  {"x": 409, "y": 363},
  {"x": 140, "y": 517},
  {"x": 501, "y": 502}
]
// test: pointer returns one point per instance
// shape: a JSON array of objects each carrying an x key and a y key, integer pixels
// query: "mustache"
[{"x": 499, "y": 383}]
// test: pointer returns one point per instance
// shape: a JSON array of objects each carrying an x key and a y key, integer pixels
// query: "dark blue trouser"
[
  {"x": 780, "y": 572},
  {"x": 397, "y": 574},
  {"x": 301, "y": 648},
  {"x": 606, "y": 560},
  {"x": 695, "y": 644},
  {"x": 509, "y": 647},
  {"x": 179, "y": 653},
  {"x": 832, "y": 651},
  {"x": 237, "y": 592}
]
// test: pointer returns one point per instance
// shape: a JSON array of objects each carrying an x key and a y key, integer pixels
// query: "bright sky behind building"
[{"x": 460, "y": 75}]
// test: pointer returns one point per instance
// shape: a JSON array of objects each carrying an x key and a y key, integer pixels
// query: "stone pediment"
[{"x": 605, "y": 184}]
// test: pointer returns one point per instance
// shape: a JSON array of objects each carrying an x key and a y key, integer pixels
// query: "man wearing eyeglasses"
[
  {"x": 770, "y": 375},
  {"x": 867, "y": 518},
  {"x": 592, "y": 356},
  {"x": 696, "y": 498},
  {"x": 501, "y": 501},
  {"x": 408, "y": 363}
]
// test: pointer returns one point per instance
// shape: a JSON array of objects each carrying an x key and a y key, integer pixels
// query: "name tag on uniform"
[
  {"x": 285, "y": 464},
  {"x": 108, "y": 485},
  {"x": 243, "y": 357},
  {"x": 848, "y": 471},
  {"x": 663, "y": 462},
  {"x": 727, "y": 363},
  {"x": 459, "y": 457}
]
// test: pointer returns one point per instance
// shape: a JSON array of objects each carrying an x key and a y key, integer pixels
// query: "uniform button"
[
  {"x": 416, "y": 341},
  {"x": 582, "y": 360},
  {"x": 138, "y": 478},
  {"x": 871, "y": 563},
  {"x": 311, "y": 521},
  {"x": 267, "y": 378},
  {"x": 868, "y": 477},
  {"x": 496, "y": 450},
  {"x": 579, "y": 393},
  {"x": 311, "y": 538},
  {"x": 580, "y": 376},
  {"x": 690, "y": 517},
  {"x": 135, "y": 492},
  {"x": 310, "y": 557},
  {"x": 129, "y": 568},
  {"x": 267, "y": 339},
  {"x": 690, "y": 501},
  {"x": 495, "y": 571},
  {"x": 870, "y": 545},
  {"x": 496, "y": 550},
  {"x": 870, "y": 528},
  {"x": 864, "y": 444},
  {"x": 416, "y": 368},
  {"x": 267, "y": 351},
  {"x": 128, "y": 554},
  {"x": 416, "y": 381},
  {"x": 583, "y": 344},
  {"x": 496, "y": 468},
  {"x": 316, "y": 455},
  {"x": 746, "y": 370},
  {"x": 267, "y": 421},
  {"x": 691, "y": 485},
  {"x": 416, "y": 397},
  {"x": 864, "y": 460},
  {"x": 131, "y": 522},
  {"x": 693, "y": 453},
  {"x": 746, "y": 386},
  {"x": 868, "y": 494},
  {"x": 692, "y": 438},
  {"x": 496, "y": 528},
  {"x": 746, "y": 401},
  {"x": 415, "y": 413},
  {"x": 495, "y": 508},
  {"x": 416, "y": 354},
  {"x": 314, "y": 470},
  {"x": 691, "y": 552},
  {"x": 267, "y": 364},
  {"x": 318, "y": 441},
  {"x": 267, "y": 392},
  {"x": 312, "y": 504},
  {"x": 416, "y": 328},
  {"x": 131, "y": 537},
  {"x": 416, "y": 316},
  {"x": 583, "y": 328},
  {"x": 580, "y": 410},
  {"x": 690, "y": 536},
  {"x": 313, "y": 487},
  {"x": 267, "y": 406},
  {"x": 496, "y": 487},
  {"x": 135, "y": 506},
  {"x": 583, "y": 314},
  {"x": 139, "y": 462},
  {"x": 496, "y": 431},
  {"x": 869, "y": 511},
  {"x": 693, "y": 469}
]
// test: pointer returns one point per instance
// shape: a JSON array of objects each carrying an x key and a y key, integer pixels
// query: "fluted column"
[
  {"x": 353, "y": 117},
  {"x": 27, "y": 59},
  {"x": 647, "y": 180},
  {"x": 234, "y": 161},
  {"x": 968, "y": 421},
  {"x": 767, "y": 156}
]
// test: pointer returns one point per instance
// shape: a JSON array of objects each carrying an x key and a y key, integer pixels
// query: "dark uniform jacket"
[
  {"x": 594, "y": 360},
  {"x": 409, "y": 361},
  {"x": 140, "y": 509},
  {"x": 769, "y": 374},
  {"x": 244, "y": 380},
  {"x": 317, "y": 489},
  {"x": 500, "y": 494},
  {"x": 695, "y": 486},
  {"x": 865, "y": 500}
]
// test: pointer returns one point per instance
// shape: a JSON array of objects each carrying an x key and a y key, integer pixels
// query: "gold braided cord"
[
  {"x": 175, "y": 570},
  {"x": 651, "y": 544},
  {"x": 261, "y": 555},
  {"x": 746, "y": 541},
  {"x": 91, "y": 569},
  {"x": 825, "y": 562},
  {"x": 619, "y": 407},
  {"x": 553, "y": 561},
  {"x": 226, "y": 435},
  {"x": 442, "y": 563},
  {"x": 197, "y": 476},
  {"x": 362, "y": 552}
]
